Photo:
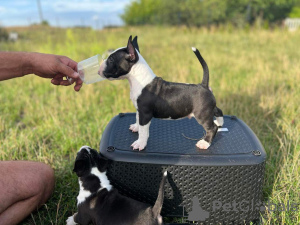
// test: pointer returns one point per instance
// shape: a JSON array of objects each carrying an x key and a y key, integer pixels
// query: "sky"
[{"x": 63, "y": 13}]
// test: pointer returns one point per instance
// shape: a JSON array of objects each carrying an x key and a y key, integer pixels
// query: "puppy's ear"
[
  {"x": 135, "y": 43},
  {"x": 132, "y": 55},
  {"x": 103, "y": 163},
  {"x": 80, "y": 168}
]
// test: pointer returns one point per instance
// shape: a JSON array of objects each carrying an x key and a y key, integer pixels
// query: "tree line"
[{"x": 209, "y": 12}]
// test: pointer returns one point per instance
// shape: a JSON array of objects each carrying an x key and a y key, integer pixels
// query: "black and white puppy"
[
  {"x": 101, "y": 204},
  {"x": 154, "y": 97}
]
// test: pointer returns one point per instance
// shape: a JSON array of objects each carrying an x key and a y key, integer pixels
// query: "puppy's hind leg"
[
  {"x": 219, "y": 117},
  {"x": 211, "y": 129},
  {"x": 135, "y": 127}
]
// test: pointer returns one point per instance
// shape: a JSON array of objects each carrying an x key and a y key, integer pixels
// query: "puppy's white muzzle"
[{"x": 102, "y": 68}]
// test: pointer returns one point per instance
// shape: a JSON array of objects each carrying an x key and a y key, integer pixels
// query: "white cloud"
[
  {"x": 2, "y": 9},
  {"x": 95, "y": 17},
  {"x": 67, "y": 12},
  {"x": 90, "y": 6},
  {"x": 21, "y": 3},
  {"x": 7, "y": 11}
]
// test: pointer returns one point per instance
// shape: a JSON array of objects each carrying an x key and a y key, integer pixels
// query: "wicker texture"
[
  {"x": 225, "y": 184},
  {"x": 227, "y": 172}
]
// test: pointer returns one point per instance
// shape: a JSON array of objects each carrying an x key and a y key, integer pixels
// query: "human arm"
[{"x": 55, "y": 67}]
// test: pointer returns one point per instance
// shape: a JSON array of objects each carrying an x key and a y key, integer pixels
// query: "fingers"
[
  {"x": 66, "y": 83},
  {"x": 67, "y": 68},
  {"x": 67, "y": 71},
  {"x": 72, "y": 64},
  {"x": 78, "y": 85},
  {"x": 71, "y": 80},
  {"x": 59, "y": 80},
  {"x": 69, "y": 62}
]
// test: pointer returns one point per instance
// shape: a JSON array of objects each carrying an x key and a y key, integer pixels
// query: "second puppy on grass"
[
  {"x": 100, "y": 203},
  {"x": 154, "y": 97}
]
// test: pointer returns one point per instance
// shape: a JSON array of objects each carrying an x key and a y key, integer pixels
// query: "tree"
[{"x": 206, "y": 12}]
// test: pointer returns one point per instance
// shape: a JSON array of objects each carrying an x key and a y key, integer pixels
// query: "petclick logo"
[
  {"x": 199, "y": 214},
  {"x": 246, "y": 206}
]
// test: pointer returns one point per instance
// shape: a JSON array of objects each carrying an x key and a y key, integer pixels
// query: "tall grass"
[{"x": 255, "y": 75}]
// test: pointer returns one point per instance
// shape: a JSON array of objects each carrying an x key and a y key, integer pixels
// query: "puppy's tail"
[
  {"x": 205, "y": 79},
  {"x": 160, "y": 198}
]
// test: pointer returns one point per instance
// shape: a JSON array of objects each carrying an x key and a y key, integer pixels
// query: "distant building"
[
  {"x": 292, "y": 23},
  {"x": 13, "y": 36}
]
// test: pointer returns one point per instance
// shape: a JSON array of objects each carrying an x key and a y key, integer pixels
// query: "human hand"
[{"x": 56, "y": 67}]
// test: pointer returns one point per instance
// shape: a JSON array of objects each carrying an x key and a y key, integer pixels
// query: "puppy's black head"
[
  {"x": 86, "y": 159},
  {"x": 120, "y": 62}
]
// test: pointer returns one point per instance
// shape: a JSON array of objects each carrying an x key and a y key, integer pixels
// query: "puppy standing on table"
[
  {"x": 154, "y": 97},
  {"x": 98, "y": 202}
]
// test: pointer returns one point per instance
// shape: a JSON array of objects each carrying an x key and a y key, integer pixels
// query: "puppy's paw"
[
  {"x": 70, "y": 221},
  {"x": 134, "y": 127},
  {"x": 139, "y": 144},
  {"x": 202, "y": 144},
  {"x": 219, "y": 121}
]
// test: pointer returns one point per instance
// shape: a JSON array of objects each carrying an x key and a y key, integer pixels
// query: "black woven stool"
[{"x": 221, "y": 185}]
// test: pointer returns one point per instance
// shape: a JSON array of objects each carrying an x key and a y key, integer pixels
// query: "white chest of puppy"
[{"x": 139, "y": 77}]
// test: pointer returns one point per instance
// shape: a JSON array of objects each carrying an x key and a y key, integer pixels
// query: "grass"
[{"x": 254, "y": 74}]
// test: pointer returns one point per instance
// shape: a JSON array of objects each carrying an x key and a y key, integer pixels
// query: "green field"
[{"x": 255, "y": 75}]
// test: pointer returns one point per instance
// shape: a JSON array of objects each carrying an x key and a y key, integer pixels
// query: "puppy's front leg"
[
  {"x": 135, "y": 127},
  {"x": 141, "y": 143}
]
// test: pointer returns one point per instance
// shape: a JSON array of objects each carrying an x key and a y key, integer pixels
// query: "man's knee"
[
  {"x": 40, "y": 182},
  {"x": 46, "y": 182},
  {"x": 24, "y": 180}
]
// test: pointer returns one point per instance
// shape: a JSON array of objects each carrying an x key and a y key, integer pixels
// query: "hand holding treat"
[
  {"x": 56, "y": 67},
  {"x": 18, "y": 64}
]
